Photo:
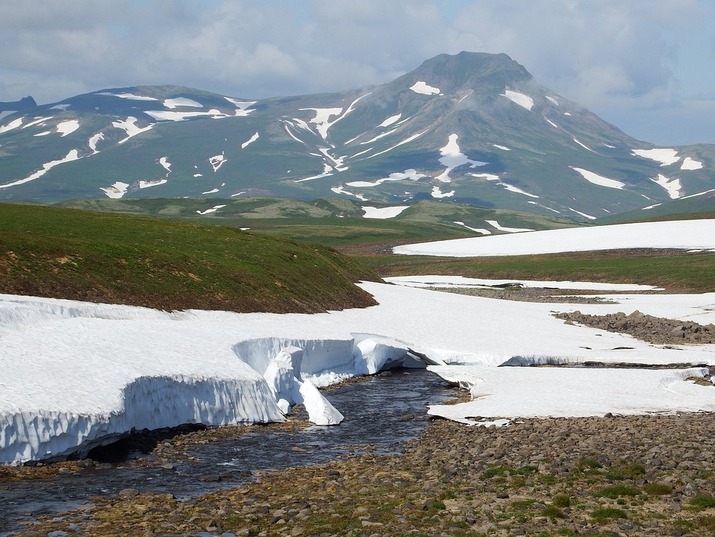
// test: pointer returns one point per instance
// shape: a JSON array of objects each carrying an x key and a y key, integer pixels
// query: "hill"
[
  {"x": 471, "y": 128},
  {"x": 121, "y": 259}
]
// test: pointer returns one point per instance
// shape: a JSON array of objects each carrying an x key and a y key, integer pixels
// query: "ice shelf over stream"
[{"x": 74, "y": 375}]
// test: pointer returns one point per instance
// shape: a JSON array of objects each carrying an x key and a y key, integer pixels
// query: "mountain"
[{"x": 471, "y": 127}]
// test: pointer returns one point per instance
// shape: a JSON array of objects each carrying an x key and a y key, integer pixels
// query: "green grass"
[
  {"x": 681, "y": 272},
  {"x": 102, "y": 257}
]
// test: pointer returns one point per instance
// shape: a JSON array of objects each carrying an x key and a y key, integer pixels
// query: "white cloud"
[{"x": 611, "y": 56}]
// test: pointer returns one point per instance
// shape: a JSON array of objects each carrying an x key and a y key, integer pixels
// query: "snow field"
[{"x": 685, "y": 235}]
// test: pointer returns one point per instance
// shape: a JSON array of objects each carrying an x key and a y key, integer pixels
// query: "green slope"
[{"x": 113, "y": 258}]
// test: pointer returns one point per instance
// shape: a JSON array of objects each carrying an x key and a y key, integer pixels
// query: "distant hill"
[{"x": 473, "y": 128}]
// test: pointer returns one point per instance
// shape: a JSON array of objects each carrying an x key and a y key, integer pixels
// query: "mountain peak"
[{"x": 471, "y": 69}]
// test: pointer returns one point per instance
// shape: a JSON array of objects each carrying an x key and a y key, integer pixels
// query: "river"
[{"x": 381, "y": 414}]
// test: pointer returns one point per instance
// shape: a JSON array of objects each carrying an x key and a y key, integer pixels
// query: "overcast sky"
[{"x": 647, "y": 66}]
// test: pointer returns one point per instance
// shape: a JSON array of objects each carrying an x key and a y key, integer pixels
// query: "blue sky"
[{"x": 647, "y": 66}]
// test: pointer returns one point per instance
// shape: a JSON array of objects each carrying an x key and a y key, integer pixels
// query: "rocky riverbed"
[{"x": 649, "y": 475}]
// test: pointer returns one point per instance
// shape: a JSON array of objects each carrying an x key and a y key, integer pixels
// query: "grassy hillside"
[{"x": 114, "y": 258}]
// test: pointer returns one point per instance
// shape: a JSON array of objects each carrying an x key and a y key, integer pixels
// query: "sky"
[{"x": 647, "y": 66}]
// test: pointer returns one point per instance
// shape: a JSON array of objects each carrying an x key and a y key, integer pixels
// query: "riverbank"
[{"x": 643, "y": 475}]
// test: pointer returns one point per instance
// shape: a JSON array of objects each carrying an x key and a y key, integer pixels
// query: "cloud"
[{"x": 608, "y": 55}]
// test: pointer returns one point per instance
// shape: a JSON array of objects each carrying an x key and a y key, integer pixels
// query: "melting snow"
[
  {"x": 322, "y": 119},
  {"x": 248, "y": 142},
  {"x": 390, "y": 120},
  {"x": 598, "y": 179},
  {"x": 672, "y": 186},
  {"x": 554, "y": 125},
  {"x": 217, "y": 161},
  {"x": 583, "y": 145},
  {"x": 67, "y": 127},
  {"x": 554, "y": 101},
  {"x": 14, "y": 124},
  {"x": 587, "y": 216},
  {"x": 129, "y": 126},
  {"x": 167, "y": 115},
  {"x": 438, "y": 194},
  {"x": 212, "y": 209},
  {"x": 37, "y": 121},
  {"x": 665, "y": 156},
  {"x": 94, "y": 140},
  {"x": 116, "y": 190},
  {"x": 74, "y": 371},
  {"x": 452, "y": 157},
  {"x": 182, "y": 101},
  {"x": 685, "y": 235},
  {"x": 512, "y": 188},
  {"x": 475, "y": 229},
  {"x": 47, "y": 166},
  {"x": 164, "y": 161},
  {"x": 487, "y": 176},
  {"x": 496, "y": 225},
  {"x": 383, "y": 212},
  {"x": 410, "y": 174},
  {"x": 519, "y": 98},
  {"x": 424, "y": 88},
  {"x": 242, "y": 107},
  {"x": 502, "y": 147},
  {"x": 149, "y": 184},
  {"x": 130, "y": 96},
  {"x": 461, "y": 281},
  {"x": 341, "y": 190},
  {"x": 691, "y": 164},
  {"x": 403, "y": 142}
]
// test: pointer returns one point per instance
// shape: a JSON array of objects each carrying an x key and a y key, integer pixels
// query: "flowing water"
[{"x": 381, "y": 414}]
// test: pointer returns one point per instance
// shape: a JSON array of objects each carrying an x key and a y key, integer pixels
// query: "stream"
[{"x": 381, "y": 414}]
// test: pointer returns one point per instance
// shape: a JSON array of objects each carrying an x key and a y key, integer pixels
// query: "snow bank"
[
  {"x": 77, "y": 374},
  {"x": 685, "y": 235}
]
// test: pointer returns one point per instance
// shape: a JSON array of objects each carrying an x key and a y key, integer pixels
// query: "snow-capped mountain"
[{"x": 474, "y": 128}]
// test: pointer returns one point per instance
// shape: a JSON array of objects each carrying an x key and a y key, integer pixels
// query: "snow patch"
[
  {"x": 47, "y": 166},
  {"x": 410, "y": 174},
  {"x": 583, "y": 145},
  {"x": 164, "y": 162},
  {"x": 452, "y": 157},
  {"x": 383, "y": 212},
  {"x": 691, "y": 164},
  {"x": 341, "y": 190},
  {"x": 322, "y": 120},
  {"x": 217, "y": 161},
  {"x": 599, "y": 180},
  {"x": 129, "y": 126},
  {"x": 481, "y": 231},
  {"x": 487, "y": 176},
  {"x": 587, "y": 216},
  {"x": 390, "y": 120},
  {"x": 14, "y": 124},
  {"x": 211, "y": 209},
  {"x": 67, "y": 127},
  {"x": 671, "y": 186},
  {"x": 94, "y": 140},
  {"x": 682, "y": 235},
  {"x": 516, "y": 190},
  {"x": 438, "y": 194},
  {"x": 502, "y": 147},
  {"x": 150, "y": 184},
  {"x": 116, "y": 190},
  {"x": 519, "y": 98},
  {"x": 130, "y": 96},
  {"x": 248, "y": 142},
  {"x": 664, "y": 155},
  {"x": 181, "y": 102},
  {"x": 463, "y": 282},
  {"x": 495, "y": 224},
  {"x": 553, "y": 100},
  {"x": 242, "y": 107},
  {"x": 424, "y": 88}
]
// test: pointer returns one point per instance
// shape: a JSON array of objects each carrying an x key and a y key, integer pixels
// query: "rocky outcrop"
[{"x": 657, "y": 330}]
